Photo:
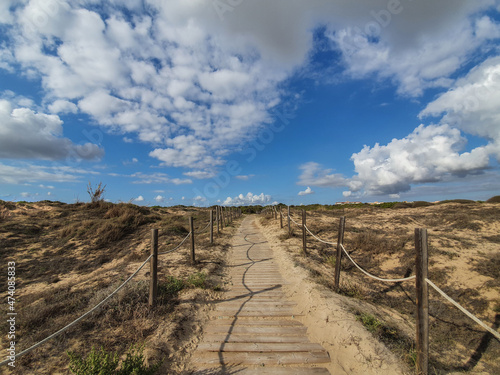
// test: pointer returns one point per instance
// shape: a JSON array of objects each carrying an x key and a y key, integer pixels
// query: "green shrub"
[
  {"x": 371, "y": 323},
  {"x": 197, "y": 280},
  {"x": 100, "y": 362}
]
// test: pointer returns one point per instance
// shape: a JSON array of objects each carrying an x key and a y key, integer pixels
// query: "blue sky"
[{"x": 249, "y": 102}]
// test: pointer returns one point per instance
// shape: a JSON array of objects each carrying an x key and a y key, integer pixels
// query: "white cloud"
[
  {"x": 200, "y": 174},
  {"x": 415, "y": 51},
  {"x": 29, "y": 135},
  {"x": 63, "y": 106},
  {"x": 313, "y": 174},
  {"x": 472, "y": 104},
  {"x": 158, "y": 178},
  {"x": 429, "y": 154},
  {"x": 22, "y": 173},
  {"x": 248, "y": 199},
  {"x": 245, "y": 177},
  {"x": 306, "y": 192},
  {"x": 140, "y": 198},
  {"x": 159, "y": 198}
]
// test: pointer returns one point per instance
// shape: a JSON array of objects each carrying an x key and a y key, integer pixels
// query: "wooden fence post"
[
  {"x": 338, "y": 261},
  {"x": 217, "y": 218},
  {"x": 421, "y": 271},
  {"x": 304, "y": 245},
  {"x": 221, "y": 218},
  {"x": 281, "y": 219},
  {"x": 191, "y": 228},
  {"x": 275, "y": 213},
  {"x": 289, "y": 229},
  {"x": 211, "y": 226},
  {"x": 153, "y": 273}
]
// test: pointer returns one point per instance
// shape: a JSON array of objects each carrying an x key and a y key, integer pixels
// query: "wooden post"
[
  {"x": 217, "y": 217},
  {"x": 340, "y": 241},
  {"x": 281, "y": 219},
  {"x": 304, "y": 245},
  {"x": 275, "y": 213},
  {"x": 191, "y": 228},
  {"x": 211, "y": 226},
  {"x": 153, "y": 273},
  {"x": 221, "y": 218},
  {"x": 289, "y": 229},
  {"x": 422, "y": 287}
]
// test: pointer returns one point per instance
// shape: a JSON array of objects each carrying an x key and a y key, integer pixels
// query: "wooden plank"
[
  {"x": 267, "y": 371},
  {"x": 258, "y": 322},
  {"x": 284, "y": 371},
  {"x": 256, "y": 314},
  {"x": 221, "y": 337},
  {"x": 259, "y": 304},
  {"x": 290, "y": 331},
  {"x": 260, "y": 347},
  {"x": 251, "y": 358}
]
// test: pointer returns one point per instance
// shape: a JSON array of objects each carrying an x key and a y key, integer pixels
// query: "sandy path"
[{"x": 255, "y": 328}]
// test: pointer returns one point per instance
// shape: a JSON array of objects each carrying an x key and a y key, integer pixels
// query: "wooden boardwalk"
[{"x": 253, "y": 330}]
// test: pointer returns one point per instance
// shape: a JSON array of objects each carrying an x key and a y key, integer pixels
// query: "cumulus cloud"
[
  {"x": 472, "y": 104},
  {"x": 429, "y": 154},
  {"x": 306, "y": 192},
  {"x": 428, "y": 51},
  {"x": 140, "y": 198},
  {"x": 63, "y": 106},
  {"x": 248, "y": 199},
  {"x": 25, "y": 134},
  {"x": 159, "y": 198}
]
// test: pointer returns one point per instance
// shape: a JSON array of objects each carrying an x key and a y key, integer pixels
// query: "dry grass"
[
  {"x": 69, "y": 257},
  {"x": 464, "y": 255}
]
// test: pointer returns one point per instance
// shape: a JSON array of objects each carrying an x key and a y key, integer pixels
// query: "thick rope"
[
  {"x": 80, "y": 318},
  {"x": 202, "y": 230},
  {"x": 175, "y": 248},
  {"x": 462, "y": 309},
  {"x": 373, "y": 276},
  {"x": 319, "y": 239}
]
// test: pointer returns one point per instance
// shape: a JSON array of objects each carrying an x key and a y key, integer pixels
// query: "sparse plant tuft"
[
  {"x": 100, "y": 362},
  {"x": 97, "y": 194}
]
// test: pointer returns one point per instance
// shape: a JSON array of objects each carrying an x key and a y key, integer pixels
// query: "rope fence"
[
  {"x": 420, "y": 278},
  {"x": 151, "y": 258}
]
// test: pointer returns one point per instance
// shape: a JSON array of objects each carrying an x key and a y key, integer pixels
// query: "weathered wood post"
[
  {"x": 281, "y": 218},
  {"x": 304, "y": 245},
  {"x": 421, "y": 271},
  {"x": 191, "y": 228},
  {"x": 211, "y": 226},
  {"x": 289, "y": 228},
  {"x": 338, "y": 261},
  {"x": 217, "y": 217},
  {"x": 153, "y": 273},
  {"x": 221, "y": 218},
  {"x": 275, "y": 213}
]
